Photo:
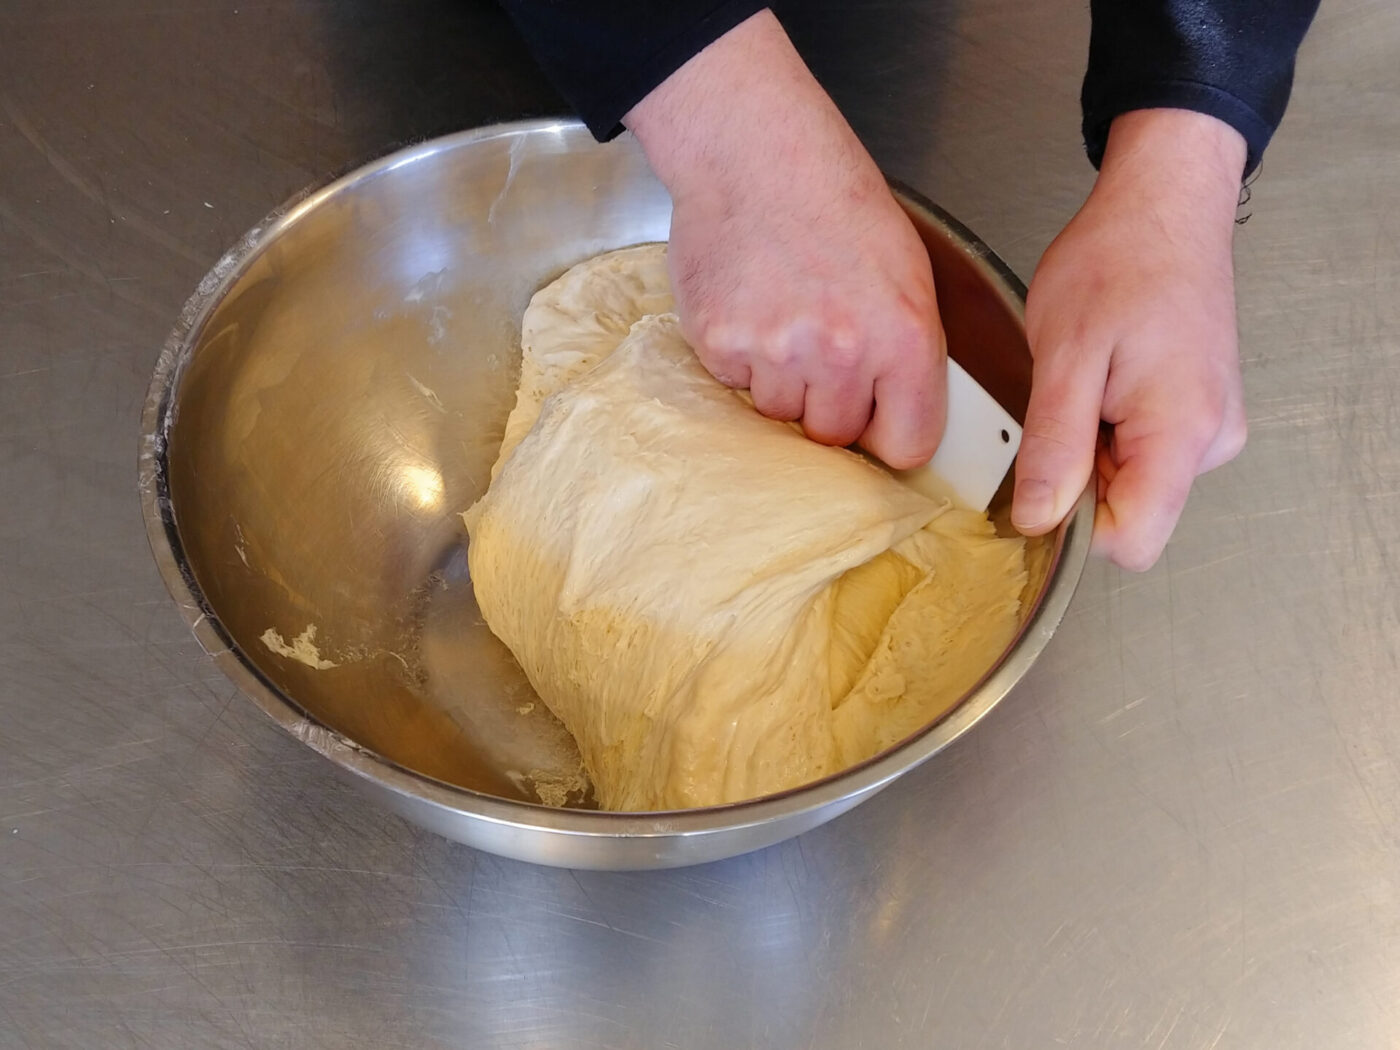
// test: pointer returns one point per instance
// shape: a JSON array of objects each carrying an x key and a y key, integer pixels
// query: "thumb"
[{"x": 1061, "y": 433}]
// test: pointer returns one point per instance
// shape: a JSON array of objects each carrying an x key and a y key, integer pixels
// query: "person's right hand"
[{"x": 796, "y": 273}]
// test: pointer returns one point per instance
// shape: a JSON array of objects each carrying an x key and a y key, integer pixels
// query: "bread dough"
[
  {"x": 715, "y": 607},
  {"x": 579, "y": 319}
]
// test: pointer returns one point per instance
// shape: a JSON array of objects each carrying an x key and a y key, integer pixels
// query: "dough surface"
[{"x": 714, "y": 606}]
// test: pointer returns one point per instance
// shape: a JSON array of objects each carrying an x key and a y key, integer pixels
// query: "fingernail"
[{"x": 1032, "y": 504}]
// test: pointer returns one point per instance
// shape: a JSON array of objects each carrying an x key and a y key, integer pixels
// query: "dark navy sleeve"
[
  {"x": 1231, "y": 59},
  {"x": 605, "y": 56}
]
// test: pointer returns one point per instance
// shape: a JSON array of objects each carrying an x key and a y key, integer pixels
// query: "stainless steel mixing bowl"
[{"x": 333, "y": 395}]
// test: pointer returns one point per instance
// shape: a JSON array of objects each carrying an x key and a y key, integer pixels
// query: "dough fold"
[{"x": 715, "y": 607}]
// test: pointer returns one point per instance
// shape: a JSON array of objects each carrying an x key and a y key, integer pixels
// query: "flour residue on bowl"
[
  {"x": 302, "y": 648},
  {"x": 553, "y": 787}
]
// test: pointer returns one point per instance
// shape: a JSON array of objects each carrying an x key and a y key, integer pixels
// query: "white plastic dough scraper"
[{"x": 979, "y": 444}]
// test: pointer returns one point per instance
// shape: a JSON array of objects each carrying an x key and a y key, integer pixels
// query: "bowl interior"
[{"x": 341, "y": 401}]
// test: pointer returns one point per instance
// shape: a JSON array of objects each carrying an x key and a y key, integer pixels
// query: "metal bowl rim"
[{"x": 159, "y": 413}]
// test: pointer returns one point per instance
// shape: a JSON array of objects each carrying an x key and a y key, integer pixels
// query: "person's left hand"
[
  {"x": 1131, "y": 321},
  {"x": 797, "y": 276}
]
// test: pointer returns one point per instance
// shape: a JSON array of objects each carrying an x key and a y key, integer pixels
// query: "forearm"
[
  {"x": 746, "y": 100},
  {"x": 1177, "y": 157},
  {"x": 606, "y": 55},
  {"x": 1230, "y": 59}
]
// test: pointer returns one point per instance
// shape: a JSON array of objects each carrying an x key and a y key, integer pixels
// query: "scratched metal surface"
[{"x": 1182, "y": 831}]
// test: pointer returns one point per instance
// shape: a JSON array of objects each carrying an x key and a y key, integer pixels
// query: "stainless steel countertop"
[{"x": 1182, "y": 830}]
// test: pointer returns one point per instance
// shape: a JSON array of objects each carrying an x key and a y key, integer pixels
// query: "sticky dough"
[{"x": 716, "y": 607}]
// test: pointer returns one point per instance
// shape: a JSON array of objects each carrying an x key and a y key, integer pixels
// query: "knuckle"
[
  {"x": 780, "y": 353},
  {"x": 1233, "y": 435},
  {"x": 1051, "y": 431},
  {"x": 717, "y": 338},
  {"x": 724, "y": 351},
  {"x": 1212, "y": 427},
  {"x": 1083, "y": 331},
  {"x": 784, "y": 346},
  {"x": 843, "y": 351},
  {"x": 729, "y": 369},
  {"x": 915, "y": 323},
  {"x": 1199, "y": 435}
]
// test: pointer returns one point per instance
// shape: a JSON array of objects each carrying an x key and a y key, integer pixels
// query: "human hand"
[
  {"x": 1131, "y": 320},
  {"x": 796, "y": 273}
]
